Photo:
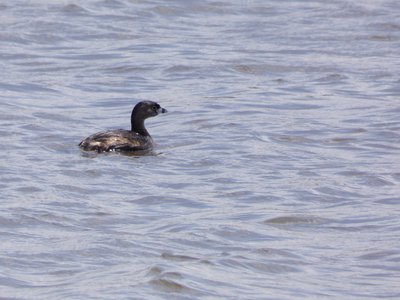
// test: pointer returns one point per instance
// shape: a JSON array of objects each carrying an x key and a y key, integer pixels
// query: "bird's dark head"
[
  {"x": 147, "y": 109},
  {"x": 142, "y": 111}
]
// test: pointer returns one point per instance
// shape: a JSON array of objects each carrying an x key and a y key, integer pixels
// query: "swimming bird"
[{"x": 136, "y": 139}]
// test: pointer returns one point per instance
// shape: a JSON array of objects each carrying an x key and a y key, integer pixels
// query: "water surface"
[{"x": 276, "y": 174}]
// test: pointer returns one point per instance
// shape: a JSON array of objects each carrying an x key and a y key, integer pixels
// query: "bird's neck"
[{"x": 138, "y": 126}]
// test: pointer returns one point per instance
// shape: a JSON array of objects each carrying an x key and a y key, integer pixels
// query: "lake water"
[{"x": 277, "y": 170}]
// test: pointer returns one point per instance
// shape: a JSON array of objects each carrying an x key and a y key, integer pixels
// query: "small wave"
[{"x": 296, "y": 220}]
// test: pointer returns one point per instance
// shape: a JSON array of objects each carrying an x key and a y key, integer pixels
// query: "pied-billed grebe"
[{"x": 136, "y": 139}]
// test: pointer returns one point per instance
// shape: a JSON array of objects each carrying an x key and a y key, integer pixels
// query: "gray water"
[{"x": 277, "y": 169}]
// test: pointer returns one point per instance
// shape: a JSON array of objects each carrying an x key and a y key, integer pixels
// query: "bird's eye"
[{"x": 154, "y": 108}]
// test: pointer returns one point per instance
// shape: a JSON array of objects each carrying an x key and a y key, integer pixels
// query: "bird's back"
[{"x": 116, "y": 140}]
